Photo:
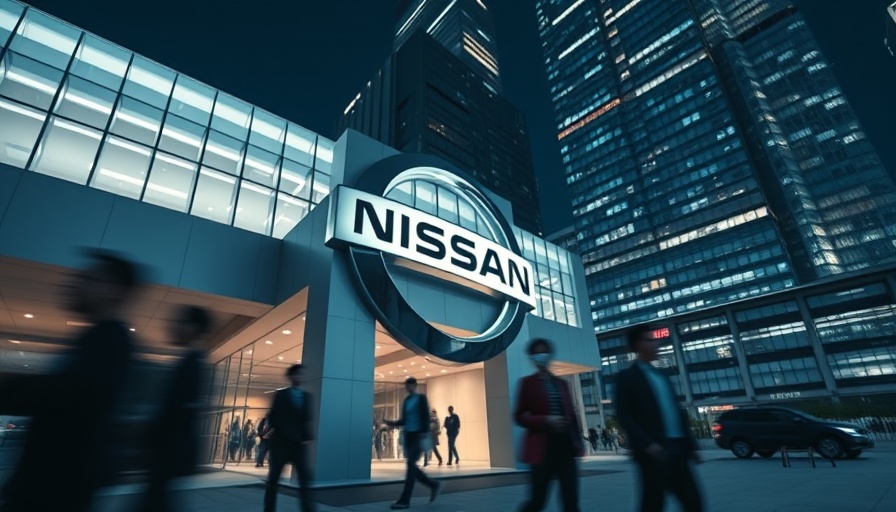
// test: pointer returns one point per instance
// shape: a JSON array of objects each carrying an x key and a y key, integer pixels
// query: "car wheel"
[
  {"x": 766, "y": 453},
  {"x": 741, "y": 449},
  {"x": 851, "y": 454},
  {"x": 829, "y": 447}
]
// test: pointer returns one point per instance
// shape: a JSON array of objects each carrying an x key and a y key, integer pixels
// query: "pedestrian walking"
[
  {"x": 452, "y": 429},
  {"x": 435, "y": 430},
  {"x": 415, "y": 422},
  {"x": 173, "y": 446},
  {"x": 290, "y": 420},
  {"x": 592, "y": 438},
  {"x": 263, "y": 431},
  {"x": 72, "y": 409},
  {"x": 553, "y": 439},
  {"x": 656, "y": 427}
]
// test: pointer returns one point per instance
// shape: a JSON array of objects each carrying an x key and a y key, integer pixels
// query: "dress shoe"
[
  {"x": 435, "y": 491},
  {"x": 399, "y": 506}
]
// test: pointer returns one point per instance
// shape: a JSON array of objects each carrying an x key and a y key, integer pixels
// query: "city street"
[{"x": 867, "y": 484}]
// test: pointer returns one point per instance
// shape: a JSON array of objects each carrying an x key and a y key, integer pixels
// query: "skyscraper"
[
  {"x": 710, "y": 154},
  {"x": 437, "y": 93}
]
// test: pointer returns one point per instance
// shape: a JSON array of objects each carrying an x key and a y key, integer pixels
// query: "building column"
[
  {"x": 338, "y": 360},
  {"x": 499, "y": 414},
  {"x": 682, "y": 370},
  {"x": 820, "y": 358},
  {"x": 741, "y": 355}
]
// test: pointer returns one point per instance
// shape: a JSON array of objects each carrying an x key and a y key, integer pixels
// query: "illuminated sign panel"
[
  {"x": 367, "y": 220},
  {"x": 661, "y": 333}
]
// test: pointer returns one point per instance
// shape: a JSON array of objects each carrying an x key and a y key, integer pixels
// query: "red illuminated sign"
[{"x": 661, "y": 333}]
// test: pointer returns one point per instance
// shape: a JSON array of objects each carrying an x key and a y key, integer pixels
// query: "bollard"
[
  {"x": 812, "y": 457},
  {"x": 785, "y": 458}
]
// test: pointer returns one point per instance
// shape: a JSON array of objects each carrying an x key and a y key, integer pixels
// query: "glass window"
[
  {"x": 295, "y": 179},
  {"x": 232, "y": 116},
  {"x": 223, "y": 153},
  {"x": 403, "y": 193},
  {"x": 572, "y": 318},
  {"x": 425, "y": 199},
  {"x": 137, "y": 121},
  {"x": 215, "y": 194},
  {"x": 28, "y": 81},
  {"x": 254, "y": 209},
  {"x": 290, "y": 211},
  {"x": 324, "y": 155},
  {"x": 9, "y": 15},
  {"x": 149, "y": 82},
  {"x": 67, "y": 151},
  {"x": 85, "y": 102},
  {"x": 299, "y": 144},
  {"x": 321, "y": 187},
  {"x": 45, "y": 39},
  {"x": 192, "y": 100},
  {"x": 170, "y": 182},
  {"x": 268, "y": 131},
  {"x": 261, "y": 166},
  {"x": 467, "y": 215},
  {"x": 19, "y": 129},
  {"x": 181, "y": 137},
  {"x": 101, "y": 62},
  {"x": 447, "y": 205},
  {"x": 122, "y": 167}
]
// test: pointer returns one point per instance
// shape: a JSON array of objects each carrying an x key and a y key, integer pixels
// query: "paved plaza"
[{"x": 867, "y": 484}]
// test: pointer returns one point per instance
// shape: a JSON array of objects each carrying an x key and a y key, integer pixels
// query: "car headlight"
[{"x": 850, "y": 431}]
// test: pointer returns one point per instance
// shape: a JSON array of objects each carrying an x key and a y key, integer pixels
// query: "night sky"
[{"x": 306, "y": 59}]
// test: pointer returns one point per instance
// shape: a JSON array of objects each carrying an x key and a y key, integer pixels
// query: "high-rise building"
[
  {"x": 430, "y": 97},
  {"x": 464, "y": 27},
  {"x": 710, "y": 154},
  {"x": 890, "y": 21}
]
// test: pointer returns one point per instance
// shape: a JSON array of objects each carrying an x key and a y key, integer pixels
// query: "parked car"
[{"x": 764, "y": 430}]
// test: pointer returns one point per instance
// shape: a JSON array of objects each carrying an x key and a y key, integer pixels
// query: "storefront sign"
[
  {"x": 784, "y": 396},
  {"x": 375, "y": 230},
  {"x": 366, "y": 220}
]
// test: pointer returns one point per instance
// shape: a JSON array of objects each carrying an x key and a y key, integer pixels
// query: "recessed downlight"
[
  {"x": 444, "y": 371},
  {"x": 280, "y": 358},
  {"x": 268, "y": 342},
  {"x": 132, "y": 329},
  {"x": 29, "y": 315},
  {"x": 287, "y": 332}
]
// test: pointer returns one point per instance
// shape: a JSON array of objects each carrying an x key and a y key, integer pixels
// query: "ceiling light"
[
  {"x": 280, "y": 358},
  {"x": 268, "y": 342},
  {"x": 29, "y": 315},
  {"x": 248, "y": 351},
  {"x": 412, "y": 363},
  {"x": 390, "y": 373},
  {"x": 378, "y": 347},
  {"x": 405, "y": 371},
  {"x": 287, "y": 331},
  {"x": 132, "y": 329},
  {"x": 399, "y": 366},
  {"x": 15, "y": 341},
  {"x": 424, "y": 367},
  {"x": 444, "y": 371},
  {"x": 303, "y": 317},
  {"x": 427, "y": 375}
]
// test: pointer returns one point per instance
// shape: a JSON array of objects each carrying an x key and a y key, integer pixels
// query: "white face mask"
[{"x": 540, "y": 360}]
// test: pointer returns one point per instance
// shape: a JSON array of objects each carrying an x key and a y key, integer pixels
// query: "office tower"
[
  {"x": 710, "y": 154},
  {"x": 433, "y": 95}
]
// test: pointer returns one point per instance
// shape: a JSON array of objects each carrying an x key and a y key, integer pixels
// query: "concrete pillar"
[
  {"x": 498, "y": 403},
  {"x": 682, "y": 365},
  {"x": 741, "y": 356},
  {"x": 820, "y": 358}
]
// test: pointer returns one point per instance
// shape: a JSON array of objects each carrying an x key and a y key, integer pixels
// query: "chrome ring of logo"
[{"x": 389, "y": 306}]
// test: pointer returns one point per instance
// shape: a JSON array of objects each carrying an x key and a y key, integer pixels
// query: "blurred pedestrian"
[
  {"x": 435, "y": 430},
  {"x": 452, "y": 429},
  {"x": 248, "y": 438},
  {"x": 263, "y": 431},
  {"x": 592, "y": 438},
  {"x": 291, "y": 423},
  {"x": 656, "y": 427},
  {"x": 174, "y": 437},
  {"x": 415, "y": 420},
  {"x": 234, "y": 439},
  {"x": 554, "y": 439},
  {"x": 86, "y": 385}
]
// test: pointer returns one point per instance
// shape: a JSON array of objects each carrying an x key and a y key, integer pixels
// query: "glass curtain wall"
[{"x": 79, "y": 108}]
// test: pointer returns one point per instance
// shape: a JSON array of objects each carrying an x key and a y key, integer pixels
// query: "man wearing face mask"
[{"x": 553, "y": 440}]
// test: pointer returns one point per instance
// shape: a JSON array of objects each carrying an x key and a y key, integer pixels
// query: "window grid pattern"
[
  {"x": 785, "y": 372},
  {"x": 79, "y": 108},
  {"x": 713, "y": 382},
  {"x": 555, "y": 294},
  {"x": 870, "y": 362}
]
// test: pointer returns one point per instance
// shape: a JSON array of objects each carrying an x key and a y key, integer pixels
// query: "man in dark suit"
[
  {"x": 290, "y": 420},
  {"x": 656, "y": 427},
  {"x": 174, "y": 436},
  {"x": 73, "y": 408},
  {"x": 553, "y": 435},
  {"x": 415, "y": 420},
  {"x": 452, "y": 428}
]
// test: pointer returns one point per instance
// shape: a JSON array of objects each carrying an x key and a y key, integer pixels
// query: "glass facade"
[
  {"x": 709, "y": 154},
  {"x": 832, "y": 339},
  {"x": 79, "y": 108}
]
